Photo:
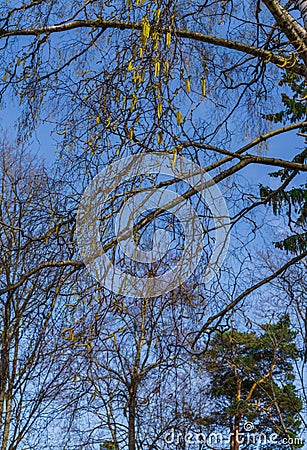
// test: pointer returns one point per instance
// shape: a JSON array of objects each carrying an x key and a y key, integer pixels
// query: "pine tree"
[
  {"x": 291, "y": 201},
  {"x": 252, "y": 381}
]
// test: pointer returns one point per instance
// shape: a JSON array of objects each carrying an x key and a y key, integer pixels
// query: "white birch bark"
[
  {"x": 294, "y": 31},
  {"x": 302, "y": 7},
  {"x": 287, "y": 23}
]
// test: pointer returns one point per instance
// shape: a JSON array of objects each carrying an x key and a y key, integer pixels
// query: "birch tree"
[
  {"x": 201, "y": 80},
  {"x": 33, "y": 362}
]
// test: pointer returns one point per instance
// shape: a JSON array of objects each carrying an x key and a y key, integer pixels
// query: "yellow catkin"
[
  {"x": 159, "y": 109},
  {"x": 168, "y": 39},
  {"x": 188, "y": 85},
  {"x": 179, "y": 117},
  {"x": 145, "y": 31},
  {"x": 174, "y": 158},
  {"x": 203, "y": 86},
  {"x": 157, "y": 68}
]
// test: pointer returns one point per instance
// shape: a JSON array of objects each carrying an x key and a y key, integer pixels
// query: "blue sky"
[
  {"x": 44, "y": 144},
  {"x": 41, "y": 142}
]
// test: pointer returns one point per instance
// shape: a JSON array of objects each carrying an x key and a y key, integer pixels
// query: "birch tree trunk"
[{"x": 302, "y": 6}]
